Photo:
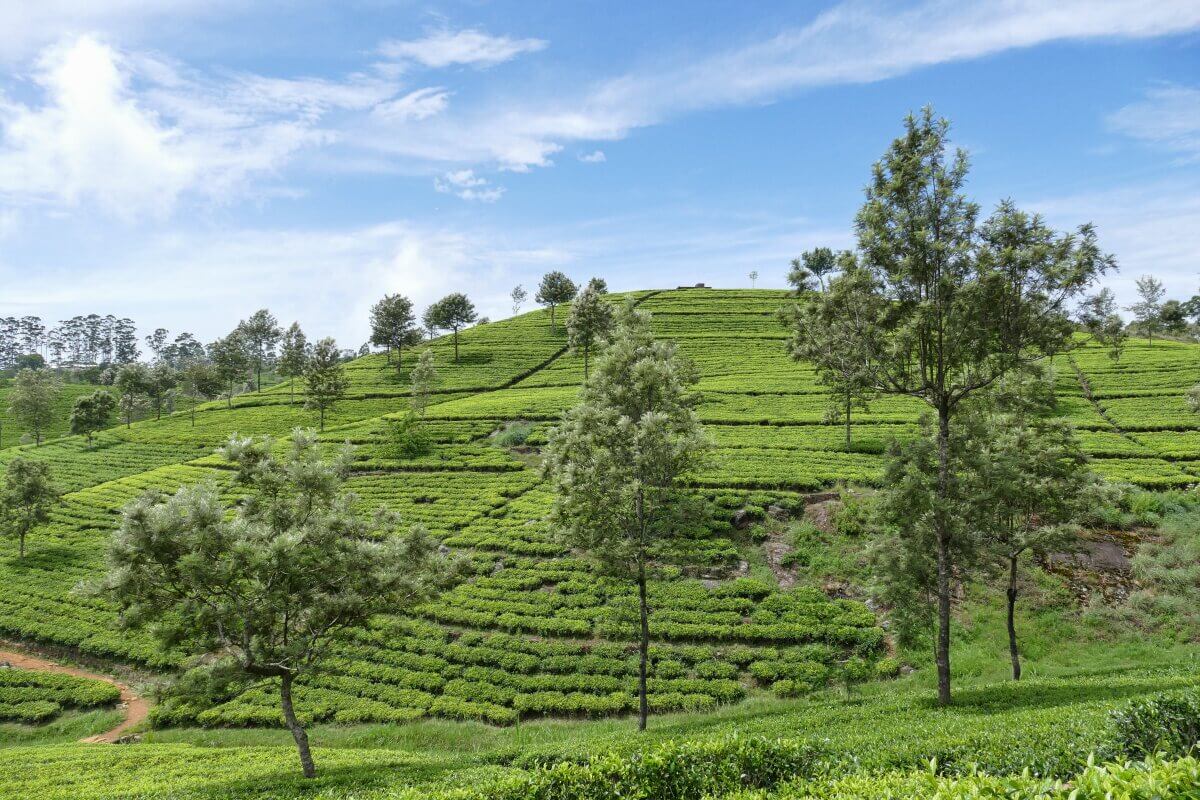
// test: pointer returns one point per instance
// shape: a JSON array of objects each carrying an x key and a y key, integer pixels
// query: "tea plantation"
[{"x": 535, "y": 633}]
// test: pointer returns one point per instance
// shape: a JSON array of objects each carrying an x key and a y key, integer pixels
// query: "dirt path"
[{"x": 135, "y": 707}]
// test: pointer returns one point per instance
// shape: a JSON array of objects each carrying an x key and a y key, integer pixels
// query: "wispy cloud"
[
  {"x": 417, "y": 105},
  {"x": 1168, "y": 117},
  {"x": 594, "y": 157},
  {"x": 466, "y": 184},
  {"x": 446, "y": 48}
]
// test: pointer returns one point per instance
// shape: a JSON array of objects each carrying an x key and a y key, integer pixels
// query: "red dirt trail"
[{"x": 134, "y": 705}]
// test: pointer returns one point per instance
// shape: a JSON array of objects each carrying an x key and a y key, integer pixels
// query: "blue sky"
[{"x": 184, "y": 162}]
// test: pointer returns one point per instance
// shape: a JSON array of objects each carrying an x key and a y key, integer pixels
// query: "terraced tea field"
[{"x": 536, "y": 632}]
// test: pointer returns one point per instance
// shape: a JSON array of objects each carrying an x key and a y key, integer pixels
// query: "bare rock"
[
  {"x": 742, "y": 519},
  {"x": 777, "y": 512},
  {"x": 822, "y": 515}
]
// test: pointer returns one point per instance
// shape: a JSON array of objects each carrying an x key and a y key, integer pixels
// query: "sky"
[{"x": 185, "y": 162}]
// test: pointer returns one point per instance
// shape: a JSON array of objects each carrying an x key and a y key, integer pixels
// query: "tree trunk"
[
  {"x": 399, "y": 359},
  {"x": 941, "y": 525},
  {"x": 292, "y": 390},
  {"x": 289, "y": 716},
  {"x": 585, "y": 363},
  {"x": 229, "y": 400},
  {"x": 848, "y": 421},
  {"x": 643, "y": 648},
  {"x": 456, "y": 345},
  {"x": 258, "y": 378},
  {"x": 193, "y": 412},
  {"x": 21, "y": 545},
  {"x": 1013, "y": 652},
  {"x": 551, "y": 316},
  {"x": 389, "y": 354}
]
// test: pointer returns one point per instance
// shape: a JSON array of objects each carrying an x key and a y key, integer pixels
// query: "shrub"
[
  {"x": 514, "y": 434},
  {"x": 1167, "y": 723}
]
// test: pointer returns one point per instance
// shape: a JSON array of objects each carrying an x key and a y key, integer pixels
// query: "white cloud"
[
  {"x": 594, "y": 157},
  {"x": 472, "y": 47},
  {"x": 416, "y": 105},
  {"x": 326, "y": 279},
  {"x": 466, "y": 184},
  {"x": 1168, "y": 117},
  {"x": 1151, "y": 229},
  {"x": 132, "y": 134}
]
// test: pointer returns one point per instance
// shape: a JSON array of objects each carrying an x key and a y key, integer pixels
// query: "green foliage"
[
  {"x": 26, "y": 498},
  {"x": 32, "y": 401},
  {"x": 1166, "y": 724},
  {"x": 554, "y": 290},
  {"x": 590, "y": 324},
  {"x": 269, "y": 589},
  {"x": 408, "y": 437},
  {"x": 36, "y": 697},
  {"x": 324, "y": 379}
]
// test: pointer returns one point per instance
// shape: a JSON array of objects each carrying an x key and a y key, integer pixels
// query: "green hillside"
[
  {"x": 535, "y": 632},
  {"x": 13, "y": 430}
]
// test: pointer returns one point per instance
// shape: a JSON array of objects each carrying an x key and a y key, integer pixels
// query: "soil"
[{"x": 135, "y": 707}]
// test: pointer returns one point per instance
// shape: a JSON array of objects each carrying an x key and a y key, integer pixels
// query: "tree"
[
  {"x": 810, "y": 270},
  {"x": 555, "y": 288},
  {"x": 229, "y": 359},
  {"x": 200, "y": 381},
  {"x": 28, "y": 497},
  {"x": 324, "y": 378},
  {"x": 260, "y": 335},
  {"x": 265, "y": 588},
  {"x": 598, "y": 285},
  {"x": 92, "y": 413},
  {"x": 1029, "y": 484},
  {"x": 424, "y": 377},
  {"x": 294, "y": 353},
  {"x": 453, "y": 312},
  {"x": 393, "y": 325},
  {"x": 31, "y": 400},
  {"x": 616, "y": 461},
  {"x": 1147, "y": 312},
  {"x": 753, "y": 277},
  {"x": 589, "y": 324},
  {"x": 162, "y": 380},
  {"x": 157, "y": 342},
  {"x": 518, "y": 296},
  {"x": 963, "y": 303},
  {"x": 835, "y": 330},
  {"x": 1099, "y": 317},
  {"x": 1174, "y": 317},
  {"x": 132, "y": 384}
]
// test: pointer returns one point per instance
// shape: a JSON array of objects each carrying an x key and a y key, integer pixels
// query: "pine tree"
[
  {"x": 264, "y": 589},
  {"x": 27, "y": 497},
  {"x": 393, "y": 325},
  {"x": 424, "y": 377},
  {"x": 293, "y": 355},
  {"x": 589, "y": 325},
  {"x": 617, "y": 460},
  {"x": 31, "y": 400},
  {"x": 834, "y": 330},
  {"x": 230, "y": 360},
  {"x": 92, "y": 413},
  {"x": 555, "y": 289},
  {"x": 260, "y": 335},
  {"x": 1147, "y": 312},
  {"x": 453, "y": 312},
  {"x": 964, "y": 303},
  {"x": 324, "y": 379}
]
